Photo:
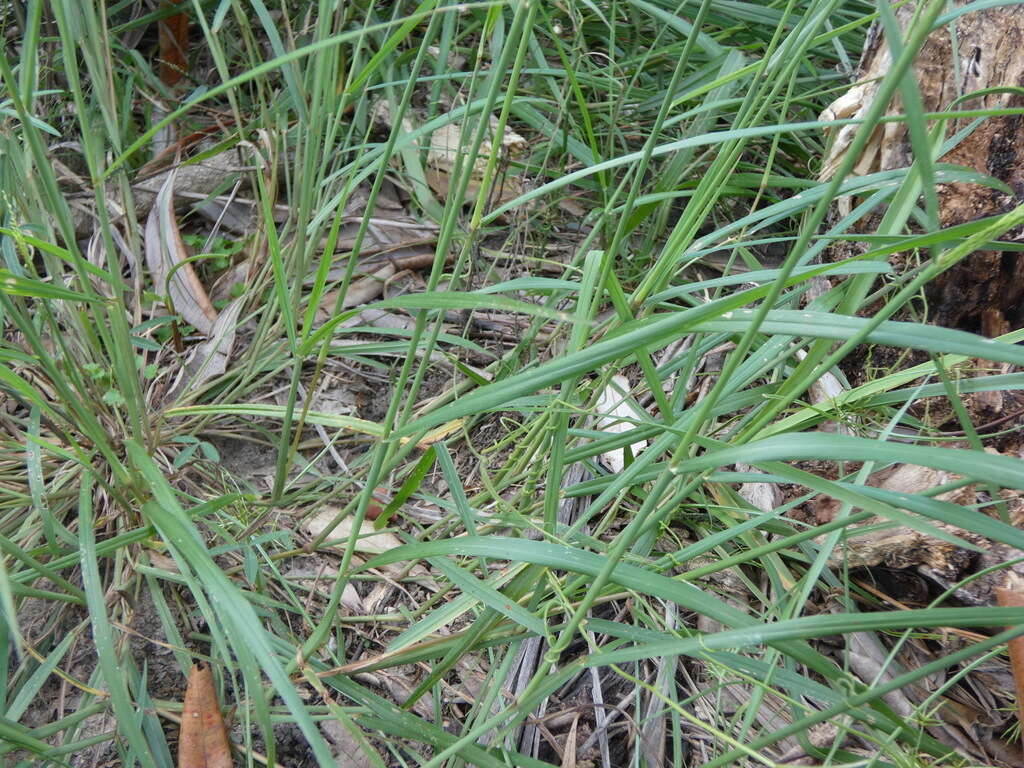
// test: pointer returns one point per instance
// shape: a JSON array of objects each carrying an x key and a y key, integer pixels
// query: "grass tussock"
[{"x": 471, "y": 384}]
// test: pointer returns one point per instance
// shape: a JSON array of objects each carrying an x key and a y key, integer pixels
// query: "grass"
[{"x": 659, "y": 136}]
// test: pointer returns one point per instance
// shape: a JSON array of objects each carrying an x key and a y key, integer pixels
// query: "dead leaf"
[
  {"x": 195, "y": 181},
  {"x": 210, "y": 358},
  {"x": 350, "y": 747},
  {"x": 204, "y": 739},
  {"x": 618, "y": 414},
  {"x": 447, "y": 143},
  {"x": 370, "y": 541},
  {"x": 173, "y": 46},
  {"x": 1012, "y": 596},
  {"x": 569, "y": 755},
  {"x": 165, "y": 251}
]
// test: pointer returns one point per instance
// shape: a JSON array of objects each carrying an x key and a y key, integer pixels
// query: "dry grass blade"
[
  {"x": 165, "y": 252},
  {"x": 204, "y": 739}
]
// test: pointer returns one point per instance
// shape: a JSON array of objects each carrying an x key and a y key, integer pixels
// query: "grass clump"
[{"x": 309, "y": 361}]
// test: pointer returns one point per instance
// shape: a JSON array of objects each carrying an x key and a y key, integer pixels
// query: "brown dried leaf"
[
  {"x": 1012, "y": 596},
  {"x": 164, "y": 251},
  {"x": 204, "y": 739},
  {"x": 173, "y": 46}
]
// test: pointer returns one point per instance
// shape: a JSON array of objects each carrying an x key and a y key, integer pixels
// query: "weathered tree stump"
[{"x": 984, "y": 292}]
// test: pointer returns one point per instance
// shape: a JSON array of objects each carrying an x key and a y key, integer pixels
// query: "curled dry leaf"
[
  {"x": 204, "y": 739},
  {"x": 165, "y": 252}
]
